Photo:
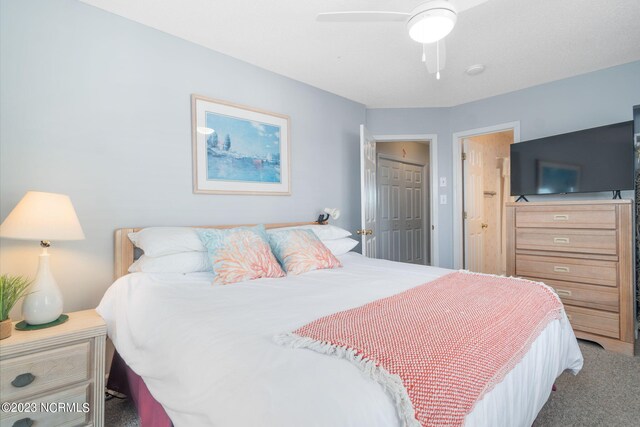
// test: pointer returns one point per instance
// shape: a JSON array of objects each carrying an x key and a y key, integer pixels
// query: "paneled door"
[
  {"x": 473, "y": 207},
  {"x": 401, "y": 221},
  {"x": 414, "y": 206},
  {"x": 389, "y": 221},
  {"x": 368, "y": 192}
]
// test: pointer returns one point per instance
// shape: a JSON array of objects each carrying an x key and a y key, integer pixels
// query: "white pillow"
[
  {"x": 184, "y": 262},
  {"x": 159, "y": 241},
  {"x": 340, "y": 246},
  {"x": 324, "y": 232}
]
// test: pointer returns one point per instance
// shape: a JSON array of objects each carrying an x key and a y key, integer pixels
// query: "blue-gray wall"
[
  {"x": 580, "y": 102},
  {"x": 98, "y": 107}
]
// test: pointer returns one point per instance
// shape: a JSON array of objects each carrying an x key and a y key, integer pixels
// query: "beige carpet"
[
  {"x": 120, "y": 413},
  {"x": 605, "y": 393}
]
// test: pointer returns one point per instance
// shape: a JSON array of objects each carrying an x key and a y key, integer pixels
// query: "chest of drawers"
[{"x": 584, "y": 250}]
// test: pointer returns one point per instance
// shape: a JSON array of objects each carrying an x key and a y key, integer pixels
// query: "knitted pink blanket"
[{"x": 439, "y": 347}]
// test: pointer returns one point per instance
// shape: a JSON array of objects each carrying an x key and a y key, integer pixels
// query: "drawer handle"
[
  {"x": 560, "y": 240},
  {"x": 563, "y": 292},
  {"x": 23, "y": 422},
  {"x": 23, "y": 380},
  {"x": 561, "y": 217},
  {"x": 559, "y": 269}
]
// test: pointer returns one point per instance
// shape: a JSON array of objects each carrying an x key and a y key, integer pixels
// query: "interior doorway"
[
  {"x": 458, "y": 186},
  {"x": 485, "y": 188},
  {"x": 369, "y": 190},
  {"x": 403, "y": 208}
]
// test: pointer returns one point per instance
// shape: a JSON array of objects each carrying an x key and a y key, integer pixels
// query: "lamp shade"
[{"x": 42, "y": 216}]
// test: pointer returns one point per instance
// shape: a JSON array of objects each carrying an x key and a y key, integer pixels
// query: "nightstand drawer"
[
  {"x": 567, "y": 217},
  {"x": 568, "y": 240},
  {"x": 603, "y": 273},
  {"x": 45, "y": 370},
  {"x": 76, "y": 411},
  {"x": 594, "y": 321}
]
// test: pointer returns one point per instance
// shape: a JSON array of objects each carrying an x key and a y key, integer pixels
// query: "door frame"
[
  {"x": 421, "y": 165},
  {"x": 432, "y": 139},
  {"x": 458, "y": 202}
]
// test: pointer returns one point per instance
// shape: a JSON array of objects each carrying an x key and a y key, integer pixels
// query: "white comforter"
[{"x": 207, "y": 352}]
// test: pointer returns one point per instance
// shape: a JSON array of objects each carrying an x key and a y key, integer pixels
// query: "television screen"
[{"x": 591, "y": 160}]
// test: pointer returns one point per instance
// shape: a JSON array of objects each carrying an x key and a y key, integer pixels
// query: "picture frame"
[{"x": 239, "y": 149}]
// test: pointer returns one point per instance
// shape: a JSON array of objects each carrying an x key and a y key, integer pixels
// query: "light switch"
[
  {"x": 443, "y": 181},
  {"x": 443, "y": 199}
]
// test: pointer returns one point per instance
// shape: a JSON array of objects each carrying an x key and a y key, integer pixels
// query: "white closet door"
[
  {"x": 401, "y": 211},
  {"x": 389, "y": 185},
  {"x": 413, "y": 226}
]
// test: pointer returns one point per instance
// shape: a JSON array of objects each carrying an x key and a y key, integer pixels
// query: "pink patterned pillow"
[
  {"x": 240, "y": 254},
  {"x": 300, "y": 251}
]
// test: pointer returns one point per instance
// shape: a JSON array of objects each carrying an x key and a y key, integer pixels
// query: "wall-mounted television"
[{"x": 590, "y": 160}]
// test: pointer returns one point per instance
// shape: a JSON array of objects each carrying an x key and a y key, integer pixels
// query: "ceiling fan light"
[{"x": 431, "y": 25}]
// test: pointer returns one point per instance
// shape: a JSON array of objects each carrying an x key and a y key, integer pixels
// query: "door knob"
[
  {"x": 364, "y": 232},
  {"x": 485, "y": 225}
]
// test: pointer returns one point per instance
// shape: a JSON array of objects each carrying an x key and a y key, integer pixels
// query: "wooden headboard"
[{"x": 125, "y": 251}]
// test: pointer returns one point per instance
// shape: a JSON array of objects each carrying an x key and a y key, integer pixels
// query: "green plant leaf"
[{"x": 12, "y": 288}]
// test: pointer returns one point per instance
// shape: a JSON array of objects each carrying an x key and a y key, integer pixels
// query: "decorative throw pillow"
[
  {"x": 239, "y": 254},
  {"x": 300, "y": 251}
]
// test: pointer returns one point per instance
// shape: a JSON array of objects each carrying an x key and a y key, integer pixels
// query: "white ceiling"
[{"x": 522, "y": 43}]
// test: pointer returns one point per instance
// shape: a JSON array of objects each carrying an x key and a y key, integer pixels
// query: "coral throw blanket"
[{"x": 439, "y": 347}]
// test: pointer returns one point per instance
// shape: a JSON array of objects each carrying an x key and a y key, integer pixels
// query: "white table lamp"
[{"x": 44, "y": 217}]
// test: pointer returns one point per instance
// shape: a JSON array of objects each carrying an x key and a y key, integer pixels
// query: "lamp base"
[
  {"x": 43, "y": 303},
  {"x": 24, "y": 326}
]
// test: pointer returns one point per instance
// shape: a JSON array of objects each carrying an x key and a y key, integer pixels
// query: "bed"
[{"x": 206, "y": 355}]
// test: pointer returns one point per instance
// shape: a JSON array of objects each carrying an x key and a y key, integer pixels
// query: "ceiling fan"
[{"x": 428, "y": 24}]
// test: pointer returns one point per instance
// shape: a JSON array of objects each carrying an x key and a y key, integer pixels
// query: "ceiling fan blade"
[
  {"x": 431, "y": 56},
  {"x": 463, "y": 5},
  {"x": 363, "y": 16}
]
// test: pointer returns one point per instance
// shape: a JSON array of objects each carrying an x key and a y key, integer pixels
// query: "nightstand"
[{"x": 54, "y": 376}]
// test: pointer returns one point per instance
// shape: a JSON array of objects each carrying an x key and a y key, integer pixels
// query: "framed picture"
[{"x": 239, "y": 149}]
